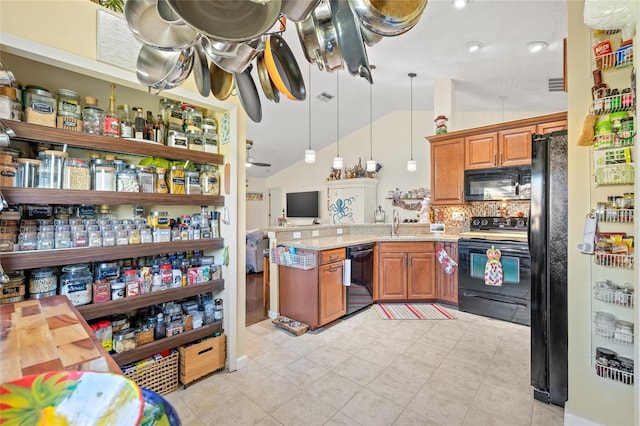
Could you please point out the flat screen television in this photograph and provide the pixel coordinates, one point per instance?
(303, 204)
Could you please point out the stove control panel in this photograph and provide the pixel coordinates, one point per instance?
(499, 223)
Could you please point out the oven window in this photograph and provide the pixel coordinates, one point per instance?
(510, 268)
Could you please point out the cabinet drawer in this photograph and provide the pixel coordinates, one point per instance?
(333, 255)
(419, 246)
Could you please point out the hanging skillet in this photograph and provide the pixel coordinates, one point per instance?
(248, 94)
(201, 70)
(268, 88)
(283, 68)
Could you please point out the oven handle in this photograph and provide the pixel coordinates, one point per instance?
(504, 246)
(360, 253)
(511, 302)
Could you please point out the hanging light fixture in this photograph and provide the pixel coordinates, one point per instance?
(309, 154)
(411, 164)
(337, 161)
(371, 164)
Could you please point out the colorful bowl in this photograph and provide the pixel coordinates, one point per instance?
(158, 411)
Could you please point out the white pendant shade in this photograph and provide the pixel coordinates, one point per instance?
(412, 166)
(371, 166)
(337, 163)
(309, 156)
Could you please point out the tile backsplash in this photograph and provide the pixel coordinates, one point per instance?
(483, 208)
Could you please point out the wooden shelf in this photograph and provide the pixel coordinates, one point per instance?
(98, 310)
(34, 133)
(166, 343)
(17, 260)
(68, 196)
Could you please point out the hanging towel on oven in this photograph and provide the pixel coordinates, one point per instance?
(493, 269)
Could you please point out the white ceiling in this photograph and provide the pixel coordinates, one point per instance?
(502, 76)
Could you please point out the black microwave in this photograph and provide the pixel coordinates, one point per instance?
(503, 183)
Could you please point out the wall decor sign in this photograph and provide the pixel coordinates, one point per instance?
(255, 196)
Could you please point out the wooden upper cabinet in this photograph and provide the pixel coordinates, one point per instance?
(481, 151)
(447, 172)
(550, 127)
(514, 146)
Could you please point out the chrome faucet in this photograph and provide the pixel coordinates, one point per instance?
(395, 224)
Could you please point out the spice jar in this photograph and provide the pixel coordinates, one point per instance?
(146, 178)
(27, 172)
(76, 283)
(76, 174)
(161, 181)
(43, 280)
(51, 170)
(177, 180)
(209, 180)
(127, 180)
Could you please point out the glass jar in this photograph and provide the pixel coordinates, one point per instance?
(124, 340)
(76, 283)
(160, 330)
(209, 180)
(161, 181)
(92, 120)
(76, 174)
(68, 103)
(192, 118)
(51, 170)
(104, 178)
(157, 219)
(146, 178)
(27, 172)
(117, 290)
(195, 140)
(46, 241)
(27, 241)
(43, 280)
(210, 135)
(217, 310)
(177, 180)
(174, 116)
(127, 180)
(192, 182)
(7, 175)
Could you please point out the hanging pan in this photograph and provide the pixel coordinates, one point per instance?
(201, 70)
(147, 26)
(221, 82)
(248, 94)
(283, 68)
(350, 40)
(268, 88)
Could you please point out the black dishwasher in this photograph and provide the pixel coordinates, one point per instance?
(359, 271)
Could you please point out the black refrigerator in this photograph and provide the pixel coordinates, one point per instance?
(548, 238)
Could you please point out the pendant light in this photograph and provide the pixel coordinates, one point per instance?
(309, 154)
(337, 161)
(371, 164)
(411, 164)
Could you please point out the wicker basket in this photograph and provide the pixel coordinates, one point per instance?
(160, 376)
(144, 337)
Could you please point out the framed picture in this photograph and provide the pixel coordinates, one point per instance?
(255, 196)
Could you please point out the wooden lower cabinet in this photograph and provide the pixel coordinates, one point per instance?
(314, 296)
(406, 271)
(447, 285)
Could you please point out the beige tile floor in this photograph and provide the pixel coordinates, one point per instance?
(368, 371)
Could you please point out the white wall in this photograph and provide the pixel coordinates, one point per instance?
(391, 148)
(257, 211)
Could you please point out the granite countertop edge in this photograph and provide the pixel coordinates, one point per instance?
(339, 241)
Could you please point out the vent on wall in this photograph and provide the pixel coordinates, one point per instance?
(324, 97)
(556, 84)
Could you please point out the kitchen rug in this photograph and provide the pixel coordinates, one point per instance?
(412, 311)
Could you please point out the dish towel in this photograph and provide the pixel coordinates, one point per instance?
(493, 268)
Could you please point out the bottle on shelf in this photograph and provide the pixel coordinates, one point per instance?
(149, 132)
(158, 130)
(111, 120)
(126, 127)
(139, 124)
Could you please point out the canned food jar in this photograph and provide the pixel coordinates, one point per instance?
(76, 174)
(192, 182)
(177, 180)
(76, 283)
(27, 172)
(146, 178)
(43, 280)
(68, 103)
(51, 170)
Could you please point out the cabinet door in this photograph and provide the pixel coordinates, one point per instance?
(333, 299)
(393, 277)
(448, 284)
(421, 276)
(515, 146)
(481, 151)
(553, 126)
(447, 172)
(298, 294)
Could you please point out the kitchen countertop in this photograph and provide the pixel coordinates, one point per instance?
(337, 241)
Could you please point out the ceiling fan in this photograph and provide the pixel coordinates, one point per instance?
(250, 160)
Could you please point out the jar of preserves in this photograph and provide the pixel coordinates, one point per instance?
(43, 280)
(76, 282)
(161, 181)
(209, 180)
(51, 170)
(177, 180)
(146, 178)
(192, 182)
(27, 172)
(127, 180)
(76, 174)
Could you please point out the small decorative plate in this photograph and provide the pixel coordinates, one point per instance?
(71, 398)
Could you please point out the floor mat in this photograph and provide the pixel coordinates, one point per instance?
(412, 311)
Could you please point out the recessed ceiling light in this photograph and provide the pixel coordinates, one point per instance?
(460, 4)
(536, 46)
(473, 46)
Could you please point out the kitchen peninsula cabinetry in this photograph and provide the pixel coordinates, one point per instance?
(497, 145)
(20, 260)
(406, 271)
(352, 201)
(314, 296)
(447, 285)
